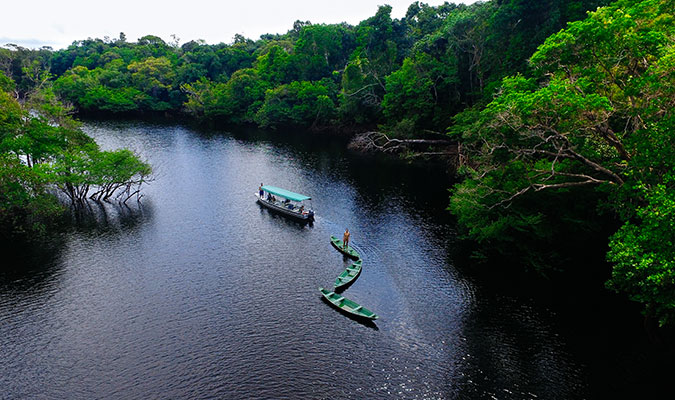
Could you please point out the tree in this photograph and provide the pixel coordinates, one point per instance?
(276, 66)
(25, 205)
(42, 149)
(409, 94)
(425, 20)
(361, 95)
(304, 104)
(322, 49)
(153, 76)
(459, 52)
(643, 253)
(598, 120)
(236, 101)
(74, 85)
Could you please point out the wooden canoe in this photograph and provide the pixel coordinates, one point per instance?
(349, 251)
(349, 275)
(347, 305)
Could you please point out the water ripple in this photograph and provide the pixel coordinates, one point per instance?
(200, 293)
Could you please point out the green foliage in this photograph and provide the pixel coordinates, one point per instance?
(6, 84)
(595, 120)
(409, 94)
(74, 85)
(456, 55)
(11, 116)
(405, 129)
(45, 103)
(86, 171)
(643, 251)
(25, 206)
(237, 101)
(154, 77)
(423, 19)
(114, 100)
(301, 104)
(245, 92)
(42, 149)
(276, 66)
(361, 93)
(322, 49)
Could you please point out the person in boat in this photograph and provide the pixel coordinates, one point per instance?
(261, 192)
(345, 239)
(302, 208)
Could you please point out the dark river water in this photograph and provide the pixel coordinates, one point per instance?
(201, 293)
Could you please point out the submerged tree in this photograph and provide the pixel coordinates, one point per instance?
(43, 150)
(87, 172)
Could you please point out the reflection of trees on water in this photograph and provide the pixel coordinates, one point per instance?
(377, 178)
(28, 264)
(99, 216)
(513, 349)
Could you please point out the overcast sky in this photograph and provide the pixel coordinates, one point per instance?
(36, 23)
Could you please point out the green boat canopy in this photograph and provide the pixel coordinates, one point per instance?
(287, 194)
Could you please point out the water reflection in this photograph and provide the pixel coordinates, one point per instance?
(200, 292)
(27, 266)
(513, 353)
(111, 216)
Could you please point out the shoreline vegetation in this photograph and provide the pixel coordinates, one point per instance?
(558, 117)
(49, 166)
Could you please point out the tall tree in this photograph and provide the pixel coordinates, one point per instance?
(595, 121)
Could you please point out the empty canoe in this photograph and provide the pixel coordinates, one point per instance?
(347, 305)
(349, 252)
(349, 275)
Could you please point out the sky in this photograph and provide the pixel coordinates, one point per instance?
(37, 23)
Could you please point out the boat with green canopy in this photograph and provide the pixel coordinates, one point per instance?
(348, 275)
(347, 305)
(348, 251)
(285, 202)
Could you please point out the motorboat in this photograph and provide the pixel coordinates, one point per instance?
(285, 202)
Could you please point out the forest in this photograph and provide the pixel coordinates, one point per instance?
(563, 111)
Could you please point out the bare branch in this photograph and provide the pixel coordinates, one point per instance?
(363, 88)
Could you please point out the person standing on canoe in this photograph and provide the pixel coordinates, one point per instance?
(261, 192)
(345, 239)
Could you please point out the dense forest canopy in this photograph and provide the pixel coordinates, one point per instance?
(563, 111)
(409, 74)
(591, 128)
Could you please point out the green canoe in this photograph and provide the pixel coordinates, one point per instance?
(349, 275)
(347, 305)
(349, 252)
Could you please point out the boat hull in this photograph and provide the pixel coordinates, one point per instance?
(348, 306)
(348, 276)
(349, 251)
(305, 217)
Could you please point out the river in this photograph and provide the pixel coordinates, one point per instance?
(198, 292)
